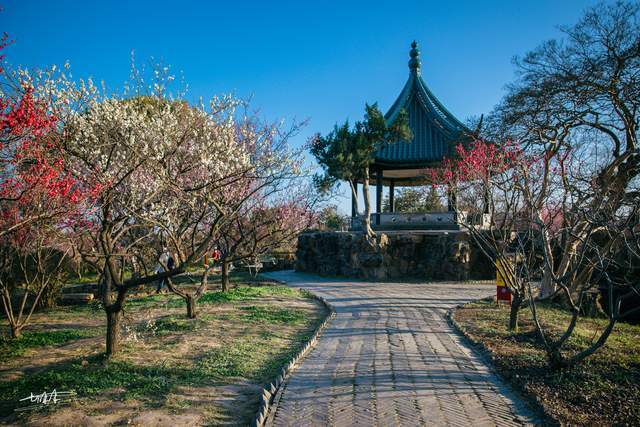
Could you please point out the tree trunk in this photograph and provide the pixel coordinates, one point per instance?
(569, 252)
(225, 275)
(16, 331)
(366, 220)
(547, 287)
(191, 307)
(556, 359)
(513, 313)
(354, 198)
(114, 318)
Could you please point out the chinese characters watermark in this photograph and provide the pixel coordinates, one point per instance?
(45, 399)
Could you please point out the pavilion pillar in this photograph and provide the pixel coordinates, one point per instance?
(392, 198)
(378, 194)
(354, 201)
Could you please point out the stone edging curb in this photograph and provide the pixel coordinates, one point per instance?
(272, 393)
(532, 401)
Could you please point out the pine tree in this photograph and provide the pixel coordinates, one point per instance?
(347, 152)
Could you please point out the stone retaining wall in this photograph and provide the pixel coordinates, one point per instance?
(435, 256)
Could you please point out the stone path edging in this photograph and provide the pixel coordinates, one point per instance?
(534, 402)
(272, 393)
(391, 358)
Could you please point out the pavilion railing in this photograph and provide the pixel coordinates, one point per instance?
(447, 220)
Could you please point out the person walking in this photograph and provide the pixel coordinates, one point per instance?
(165, 259)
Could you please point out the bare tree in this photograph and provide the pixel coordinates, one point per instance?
(498, 182)
(573, 114)
(580, 98)
(27, 271)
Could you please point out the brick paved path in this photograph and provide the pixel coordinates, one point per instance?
(390, 358)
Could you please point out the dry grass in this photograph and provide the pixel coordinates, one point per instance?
(603, 390)
(172, 370)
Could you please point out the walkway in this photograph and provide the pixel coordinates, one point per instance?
(390, 358)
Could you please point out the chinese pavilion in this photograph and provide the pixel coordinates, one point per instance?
(435, 130)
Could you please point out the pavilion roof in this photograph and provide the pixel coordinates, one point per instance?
(435, 130)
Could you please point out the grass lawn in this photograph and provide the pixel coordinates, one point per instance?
(603, 390)
(236, 276)
(172, 370)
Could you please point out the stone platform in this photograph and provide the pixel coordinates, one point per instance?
(419, 254)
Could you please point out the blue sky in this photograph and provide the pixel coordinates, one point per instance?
(320, 60)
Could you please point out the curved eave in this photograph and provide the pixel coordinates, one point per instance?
(428, 119)
(440, 109)
(401, 100)
(428, 101)
(402, 174)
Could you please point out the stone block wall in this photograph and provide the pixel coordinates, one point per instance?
(438, 256)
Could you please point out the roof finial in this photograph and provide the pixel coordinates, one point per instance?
(414, 62)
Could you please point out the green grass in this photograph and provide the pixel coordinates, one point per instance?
(271, 366)
(229, 361)
(491, 322)
(238, 276)
(256, 360)
(10, 348)
(142, 382)
(172, 324)
(270, 314)
(238, 294)
(602, 390)
(155, 300)
(256, 357)
(85, 279)
(247, 294)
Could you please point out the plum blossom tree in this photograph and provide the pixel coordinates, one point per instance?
(279, 203)
(245, 203)
(535, 211)
(576, 104)
(582, 94)
(264, 226)
(32, 263)
(152, 157)
(39, 199)
(492, 174)
(29, 162)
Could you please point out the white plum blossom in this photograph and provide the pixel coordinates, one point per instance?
(146, 146)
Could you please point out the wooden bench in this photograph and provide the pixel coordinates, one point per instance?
(77, 298)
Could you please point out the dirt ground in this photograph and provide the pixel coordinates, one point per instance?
(172, 370)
